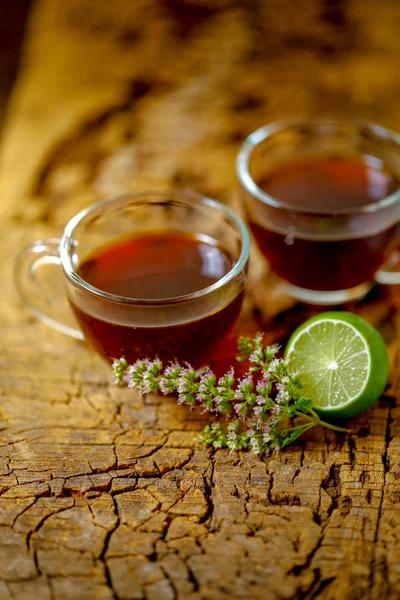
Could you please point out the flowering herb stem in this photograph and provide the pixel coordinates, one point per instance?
(266, 410)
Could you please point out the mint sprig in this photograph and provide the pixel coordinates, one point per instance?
(265, 409)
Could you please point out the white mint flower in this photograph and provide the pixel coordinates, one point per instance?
(273, 365)
(255, 445)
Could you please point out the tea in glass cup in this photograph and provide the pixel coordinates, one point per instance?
(151, 274)
(323, 202)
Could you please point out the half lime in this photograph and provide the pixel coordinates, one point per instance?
(342, 362)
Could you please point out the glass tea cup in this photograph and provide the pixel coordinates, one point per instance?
(325, 253)
(186, 327)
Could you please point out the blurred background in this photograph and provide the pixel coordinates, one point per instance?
(125, 95)
(13, 16)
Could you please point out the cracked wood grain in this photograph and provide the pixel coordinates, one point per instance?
(104, 494)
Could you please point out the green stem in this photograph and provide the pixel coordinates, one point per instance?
(315, 418)
(299, 413)
(314, 414)
(333, 427)
(309, 426)
(305, 427)
(328, 425)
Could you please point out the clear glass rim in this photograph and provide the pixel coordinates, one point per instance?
(258, 136)
(182, 197)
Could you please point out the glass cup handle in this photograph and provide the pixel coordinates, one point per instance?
(34, 294)
(388, 274)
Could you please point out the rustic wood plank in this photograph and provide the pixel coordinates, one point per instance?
(104, 494)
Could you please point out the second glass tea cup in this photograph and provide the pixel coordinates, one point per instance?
(324, 255)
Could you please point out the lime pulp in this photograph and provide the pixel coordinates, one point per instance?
(342, 363)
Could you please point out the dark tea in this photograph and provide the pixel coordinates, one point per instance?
(159, 266)
(326, 182)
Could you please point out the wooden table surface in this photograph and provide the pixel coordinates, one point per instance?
(104, 494)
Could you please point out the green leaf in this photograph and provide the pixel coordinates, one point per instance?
(269, 403)
(292, 437)
(304, 404)
(225, 407)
